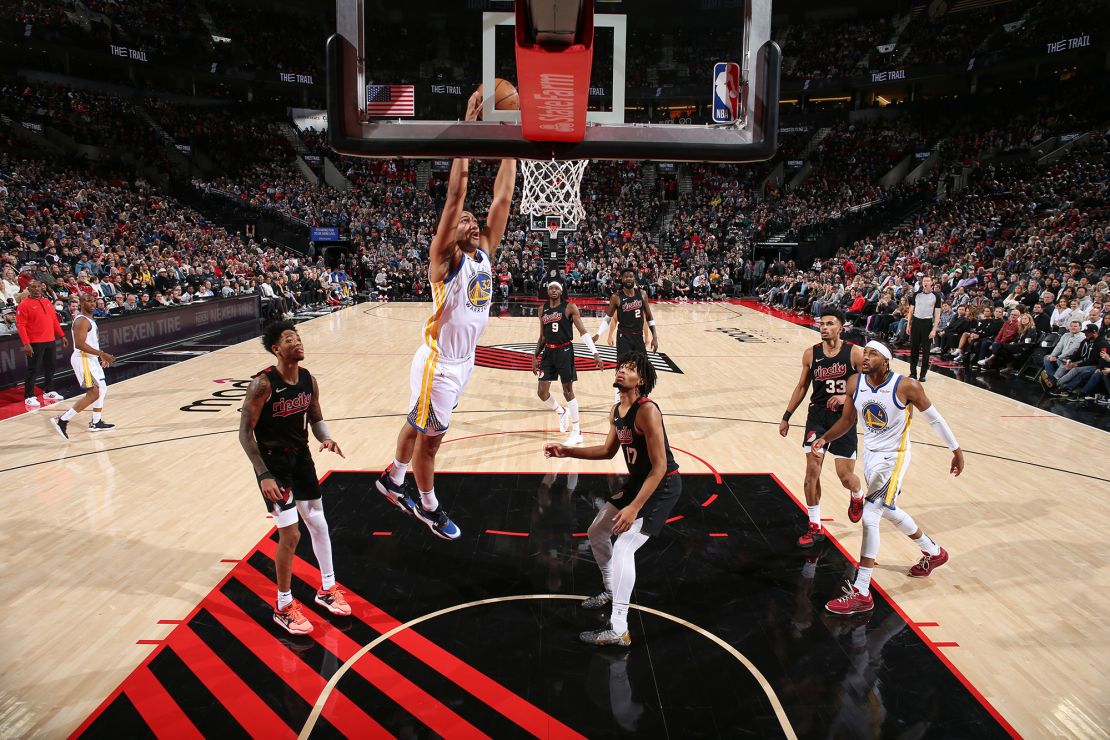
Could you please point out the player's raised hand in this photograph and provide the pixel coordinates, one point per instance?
(474, 106)
(553, 449)
(329, 444)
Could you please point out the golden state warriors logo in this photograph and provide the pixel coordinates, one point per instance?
(479, 291)
(874, 417)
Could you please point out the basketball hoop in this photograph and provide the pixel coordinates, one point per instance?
(553, 188)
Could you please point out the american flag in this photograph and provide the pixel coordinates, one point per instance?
(390, 100)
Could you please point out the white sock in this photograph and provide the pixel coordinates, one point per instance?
(857, 495)
(927, 545)
(863, 580)
(428, 500)
(285, 598)
(327, 580)
(552, 404)
(572, 407)
(815, 514)
(397, 472)
(96, 416)
(69, 415)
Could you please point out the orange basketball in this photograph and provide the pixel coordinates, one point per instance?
(505, 96)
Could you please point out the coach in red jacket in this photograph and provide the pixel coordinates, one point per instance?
(38, 327)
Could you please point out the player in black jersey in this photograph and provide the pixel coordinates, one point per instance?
(640, 508)
(630, 306)
(827, 366)
(282, 402)
(554, 358)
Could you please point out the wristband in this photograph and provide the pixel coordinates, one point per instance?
(786, 415)
(320, 430)
(651, 323)
(263, 476)
(589, 342)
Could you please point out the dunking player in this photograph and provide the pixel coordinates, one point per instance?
(828, 366)
(459, 260)
(885, 401)
(282, 402)
(640, 508)
(630, 306)
(556, 349)
(88, 362)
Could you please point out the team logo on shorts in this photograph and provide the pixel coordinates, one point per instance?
(479, 290)
(874, 417)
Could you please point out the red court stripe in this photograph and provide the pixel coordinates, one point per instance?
(228, 560)
(507, 534)
(171, 621)
(828, 520)
(709, 500)
(419, 703)
(926, 624)
(531, 718)
(718, 534)
(339, 710)
(946, 644)
(675, 518)
(917, 630)
(579, 534)
(157, 708)
(230, 690)
(149, 642)
(381, 534)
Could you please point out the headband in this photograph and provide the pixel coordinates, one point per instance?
(880, 348)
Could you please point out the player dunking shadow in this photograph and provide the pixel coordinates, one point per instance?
(461, 281)
(556, 349)
(282, 402)
(630, 306)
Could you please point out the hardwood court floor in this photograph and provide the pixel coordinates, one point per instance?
(111, 538)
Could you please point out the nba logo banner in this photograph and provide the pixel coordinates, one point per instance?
(726, 92)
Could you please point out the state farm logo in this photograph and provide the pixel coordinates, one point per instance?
(519, 357)
(229, 395)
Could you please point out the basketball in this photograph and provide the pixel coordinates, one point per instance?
(505, 96)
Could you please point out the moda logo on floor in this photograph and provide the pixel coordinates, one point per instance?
(227, 396)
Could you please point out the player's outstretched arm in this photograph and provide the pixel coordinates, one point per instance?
(610, 312)
(605, 451)
(441, 253)
(319, 426)
(576, 316)
(799, 392)
(503, 188)
(257, 394)
(846, 421)
(914, 393)
(650, 319)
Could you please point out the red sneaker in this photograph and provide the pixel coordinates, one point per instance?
(292, 619)
(925, 566)
(814, 534)
(852, 602)
(855, 510)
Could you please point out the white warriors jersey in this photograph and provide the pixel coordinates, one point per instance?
(461, 308)
(886, 422)
(92, 338)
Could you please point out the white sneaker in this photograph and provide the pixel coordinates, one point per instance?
(564, 421)
(983, 362)
(935, 351)
(32, 402)
(573, 440)
(53, 396)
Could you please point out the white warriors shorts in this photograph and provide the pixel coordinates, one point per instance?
(883, 473)
(87, 369)
(436, 385)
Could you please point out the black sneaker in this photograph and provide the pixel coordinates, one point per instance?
(394, 493)
(60, 425)
(100, 426)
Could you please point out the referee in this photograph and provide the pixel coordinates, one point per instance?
(926, 319)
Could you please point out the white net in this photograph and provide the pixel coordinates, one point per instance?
(553, 188)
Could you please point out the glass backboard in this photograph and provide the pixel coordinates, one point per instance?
(400, 74)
